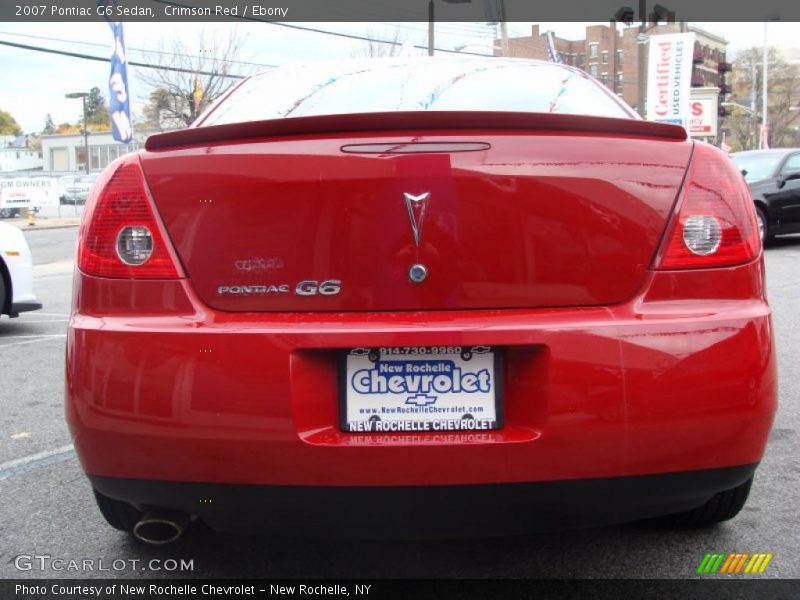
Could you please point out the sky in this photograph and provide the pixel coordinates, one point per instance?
(34, 83)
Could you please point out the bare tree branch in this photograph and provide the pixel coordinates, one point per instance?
(373, 49)
(783, 93)
(171, 102)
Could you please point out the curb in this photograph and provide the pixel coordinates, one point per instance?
(40, 228)
(52, 223)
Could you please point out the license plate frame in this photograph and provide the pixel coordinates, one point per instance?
(485, 355)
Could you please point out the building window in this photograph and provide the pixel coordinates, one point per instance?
(605, 57)
(80, 158)
(580, 59)
(619, 59)
(593, 70)
(100, 156)
(593, 50)
(604, 78)
(94, 157)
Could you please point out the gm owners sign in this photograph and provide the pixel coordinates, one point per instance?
(428, 389)
(669, 77)
(22, 192)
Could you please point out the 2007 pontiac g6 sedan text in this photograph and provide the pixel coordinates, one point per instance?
(422, 298)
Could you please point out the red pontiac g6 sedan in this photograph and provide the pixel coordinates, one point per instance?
(439, 297)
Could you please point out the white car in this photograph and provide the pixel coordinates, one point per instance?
(16, 273)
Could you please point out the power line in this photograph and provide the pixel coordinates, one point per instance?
(466, 33)
(132, 63)
(351, 36)
(143, 50)
(359, 37)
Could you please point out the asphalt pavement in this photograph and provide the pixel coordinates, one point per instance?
(46, 505)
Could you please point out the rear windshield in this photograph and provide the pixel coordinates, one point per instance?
(491, 84)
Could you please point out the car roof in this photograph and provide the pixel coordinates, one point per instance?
(771, 151)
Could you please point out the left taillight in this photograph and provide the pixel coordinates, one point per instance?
(714, 224)
(120, 236)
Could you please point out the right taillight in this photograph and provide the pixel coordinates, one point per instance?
(714, 224)
(120, 236)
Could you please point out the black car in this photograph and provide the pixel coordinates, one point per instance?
(774, 180)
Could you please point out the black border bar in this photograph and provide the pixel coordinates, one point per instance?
(510, 589)
(287, 11)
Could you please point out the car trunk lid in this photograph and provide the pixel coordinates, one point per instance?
(499, 218)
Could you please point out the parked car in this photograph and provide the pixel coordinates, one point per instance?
(774, 180)
(9, 213)
(445, 297)
(75, 189)
(16, 273)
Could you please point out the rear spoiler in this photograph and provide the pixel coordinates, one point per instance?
(415, 120)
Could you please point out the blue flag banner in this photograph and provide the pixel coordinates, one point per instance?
(119, 98)
(552, 53)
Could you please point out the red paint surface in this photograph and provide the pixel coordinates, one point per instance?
(649, 372)
(534, 221)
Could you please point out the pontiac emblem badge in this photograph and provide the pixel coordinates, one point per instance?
(416, 212)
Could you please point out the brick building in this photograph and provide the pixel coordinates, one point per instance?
(610, 53)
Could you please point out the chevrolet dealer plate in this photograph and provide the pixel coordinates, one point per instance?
(427, 389)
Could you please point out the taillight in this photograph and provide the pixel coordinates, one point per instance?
(714, 224)
(120, 235)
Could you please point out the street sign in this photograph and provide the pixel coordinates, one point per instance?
(703, 112)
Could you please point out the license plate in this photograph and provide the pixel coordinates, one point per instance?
(427, 389)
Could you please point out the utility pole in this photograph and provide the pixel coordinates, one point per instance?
(82, 96)
(432, 20)
(642, 65)
(753, 111)
(430, 27)
(503, 29)
(613, 61)
(85, 135)
(764, 122)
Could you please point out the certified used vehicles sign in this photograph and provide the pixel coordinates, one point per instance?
(420, 389)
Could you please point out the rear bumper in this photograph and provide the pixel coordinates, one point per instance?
(167, 390)
(438, 511)
(19, 307)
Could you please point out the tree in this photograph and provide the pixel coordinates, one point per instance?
(160, 110)
(374, 49)
(49, 126)
(97, 110)
(9, 125)
(68, 128)
(783, 93)
(180, 96)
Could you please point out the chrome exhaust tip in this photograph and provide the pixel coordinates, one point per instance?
(159, 527)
